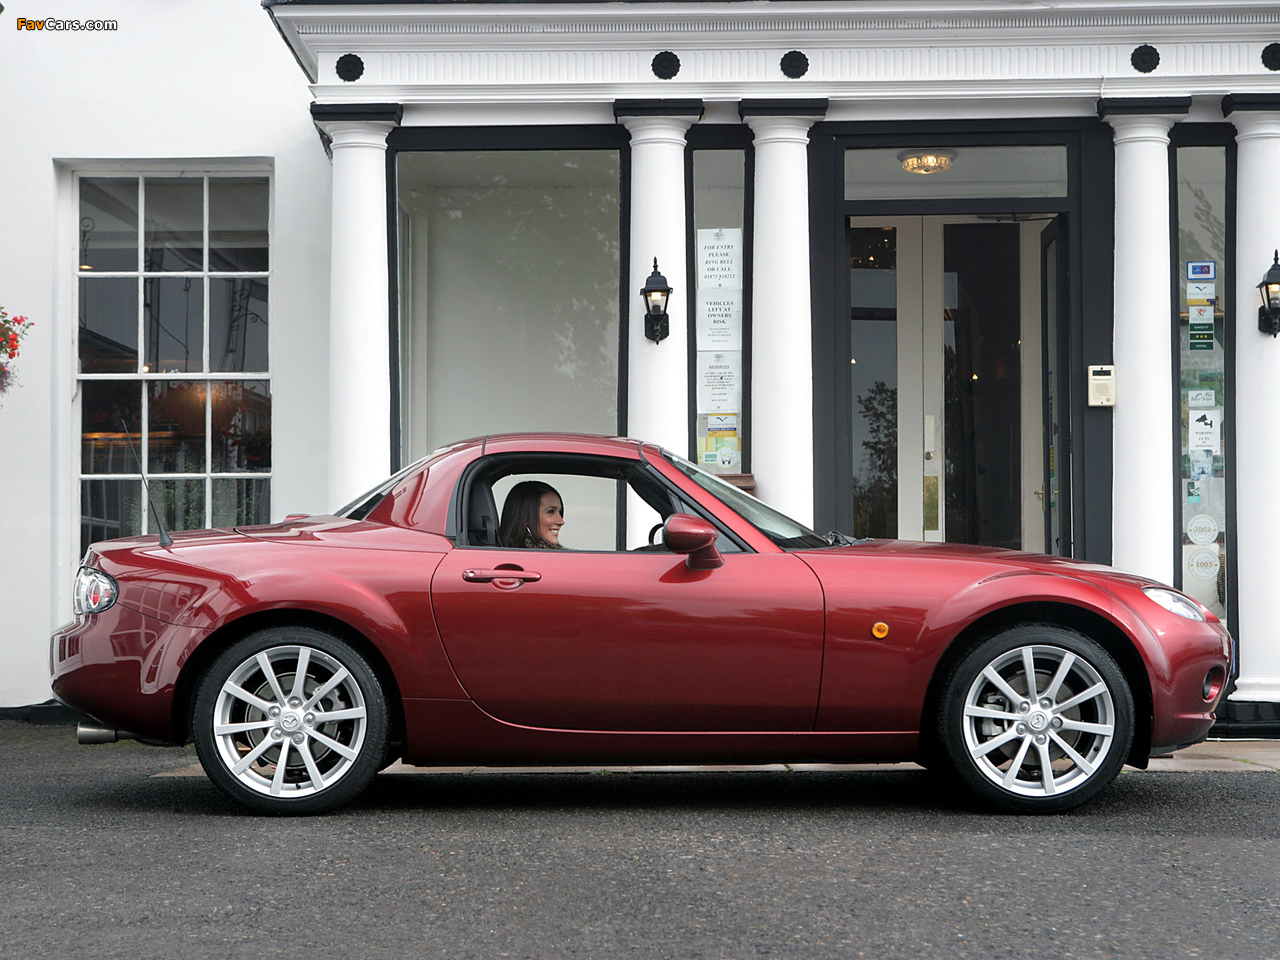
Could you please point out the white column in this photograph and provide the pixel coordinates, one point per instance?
(781, 322)
(658, 373)
(1258, 408)
(1142, 485)
(359, 339)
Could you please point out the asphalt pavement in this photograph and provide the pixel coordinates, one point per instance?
(120, 851)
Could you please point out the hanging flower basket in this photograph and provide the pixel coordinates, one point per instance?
(12, 330)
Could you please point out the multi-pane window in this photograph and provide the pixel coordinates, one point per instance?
(173, 275)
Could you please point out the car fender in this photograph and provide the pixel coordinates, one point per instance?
(922, 610)
(398, 622)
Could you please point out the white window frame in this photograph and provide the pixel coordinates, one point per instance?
(67, 376)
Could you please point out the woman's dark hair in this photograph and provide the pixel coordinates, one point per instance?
(520, 520)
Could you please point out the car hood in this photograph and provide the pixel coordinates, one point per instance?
(999, 560)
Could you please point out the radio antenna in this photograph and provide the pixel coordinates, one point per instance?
(165, 539)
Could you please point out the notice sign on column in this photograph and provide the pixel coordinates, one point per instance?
(719, 319)
(719, 382)
(1204, 431)
(720, 258)
(1200, 326)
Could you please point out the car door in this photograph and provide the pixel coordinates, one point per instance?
(631, 641)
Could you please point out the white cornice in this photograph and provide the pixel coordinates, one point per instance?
(895, 49)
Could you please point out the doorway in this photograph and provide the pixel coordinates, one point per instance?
(949, 403)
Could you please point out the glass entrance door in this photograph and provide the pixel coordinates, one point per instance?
(945, 415)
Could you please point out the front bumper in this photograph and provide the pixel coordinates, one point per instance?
(1182, 714)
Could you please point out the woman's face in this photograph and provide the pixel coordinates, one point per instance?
(550, 517)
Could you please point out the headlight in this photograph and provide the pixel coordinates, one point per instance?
(94, 591)
(1175, 602)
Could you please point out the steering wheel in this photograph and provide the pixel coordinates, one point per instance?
(654, 532)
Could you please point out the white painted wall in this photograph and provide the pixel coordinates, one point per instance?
(202, 79)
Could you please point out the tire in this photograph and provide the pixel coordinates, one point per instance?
(1041, 754)
(296, 692)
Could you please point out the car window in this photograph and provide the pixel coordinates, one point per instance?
(608, 505)
(590, 507)
(363, 505)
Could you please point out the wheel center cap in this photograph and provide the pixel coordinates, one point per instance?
(1038, 721)
(290, 721)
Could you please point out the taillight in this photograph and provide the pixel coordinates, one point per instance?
(94, 591)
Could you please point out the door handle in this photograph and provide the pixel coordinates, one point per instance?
(516, 576)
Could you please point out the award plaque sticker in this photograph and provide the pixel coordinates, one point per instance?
(1204, 564)
(1202, 529)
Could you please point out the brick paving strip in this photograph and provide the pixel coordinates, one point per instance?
(1220, 756)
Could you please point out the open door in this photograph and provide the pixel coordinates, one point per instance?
(944, 412)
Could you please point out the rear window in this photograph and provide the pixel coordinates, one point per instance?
(363, 505)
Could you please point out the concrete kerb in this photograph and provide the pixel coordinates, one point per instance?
(1219, 756)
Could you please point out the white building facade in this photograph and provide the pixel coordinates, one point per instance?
(939, 270)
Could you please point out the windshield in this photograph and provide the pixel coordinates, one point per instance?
(781, 529)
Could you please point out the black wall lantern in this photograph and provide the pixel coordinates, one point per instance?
(655, 293)
(1269, 312)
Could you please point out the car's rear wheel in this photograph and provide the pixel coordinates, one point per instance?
(1036, 719)
(290, 720)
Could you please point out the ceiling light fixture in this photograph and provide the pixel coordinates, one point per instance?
(926, 161)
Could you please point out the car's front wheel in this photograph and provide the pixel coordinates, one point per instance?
(290, 720)
(1036, 719)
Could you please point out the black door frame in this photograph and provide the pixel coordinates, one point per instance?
(1089, 209)
(1057, 232)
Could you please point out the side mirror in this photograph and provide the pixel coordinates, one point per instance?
(693, 536)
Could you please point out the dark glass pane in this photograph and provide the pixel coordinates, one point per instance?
(180, 502)
(109, 509)
(173, 324)
(1055, 403)
(883, 173)
(108, 223)
(238, 223)
(544, 225)
(982, 369)
(176, 431)
(108, 325)
(1205, 526)
(719, 178)
(873, 380)
(241, 502)
(238, 325)
(241, 426)
(175, 224)
(104, 445)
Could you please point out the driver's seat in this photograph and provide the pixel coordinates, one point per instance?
(482, 517)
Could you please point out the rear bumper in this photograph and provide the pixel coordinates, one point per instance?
(121, 668)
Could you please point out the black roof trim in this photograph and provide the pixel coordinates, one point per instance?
(356, 3)
(1137, 106)
(1249, 101)
(392, 112)
(783, 108)
(658, 108)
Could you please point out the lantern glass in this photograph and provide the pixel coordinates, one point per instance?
(657, 300)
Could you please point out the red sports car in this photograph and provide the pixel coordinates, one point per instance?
(622, 606)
